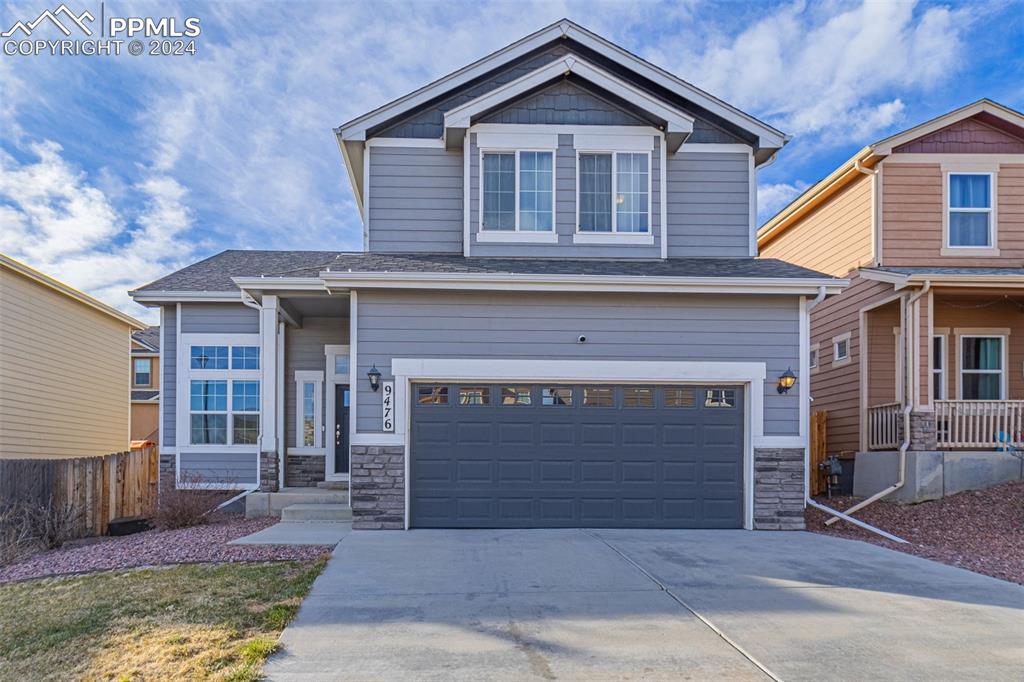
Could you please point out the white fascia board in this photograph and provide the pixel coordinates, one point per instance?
(279, 283)
(969, 281)
(767, 135)
(352, 154)
(157, 297)
(523, 282)
(568, 370)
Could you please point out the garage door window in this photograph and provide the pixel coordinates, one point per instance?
(594, 396)
(554, 396)
(474, 395)
(720, 397)
(432, 395)
(638, 397)
(516, 395)
(681, 396)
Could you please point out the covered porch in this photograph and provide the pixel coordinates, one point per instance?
(966, 358)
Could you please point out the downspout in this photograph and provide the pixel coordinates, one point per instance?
(908, 397)
(249, 301)
(836, 514)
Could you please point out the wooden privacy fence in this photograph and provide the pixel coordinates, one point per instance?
(98, 489)
(819, 439)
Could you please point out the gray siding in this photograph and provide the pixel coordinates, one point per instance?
(219, 318)
(415, 200)
(304, 350)
(529, 326)
(220, 467)
(708, 205)
(168, 377)
(565, 213)
(564, 103)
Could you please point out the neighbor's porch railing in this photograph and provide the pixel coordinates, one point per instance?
(884, 426)
(977, 423)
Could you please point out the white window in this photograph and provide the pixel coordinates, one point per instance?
(517, 191)
(969, 216)
(982, 365)
(309, 409)
(143, 372)
(813, 356)
(939, 367)
(841, 349)
(220, 380)
(614, 192)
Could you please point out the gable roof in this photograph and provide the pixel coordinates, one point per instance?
(68, 291)
(149, 338)
(351, 136)
(992, 113)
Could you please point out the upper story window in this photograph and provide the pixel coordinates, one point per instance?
(614, 192)
(216, 357)
(143, 372)
(970, 210)
(518, 191)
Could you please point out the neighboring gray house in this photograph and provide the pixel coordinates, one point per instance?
(559, 292)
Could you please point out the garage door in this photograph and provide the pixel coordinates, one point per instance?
(556, 456)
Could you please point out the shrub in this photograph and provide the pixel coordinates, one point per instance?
(26, 528)
(15, 534)
(186, 505)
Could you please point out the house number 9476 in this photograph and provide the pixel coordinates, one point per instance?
(388, 396)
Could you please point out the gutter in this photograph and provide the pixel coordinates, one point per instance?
(908, 397)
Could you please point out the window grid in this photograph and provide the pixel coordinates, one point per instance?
(969, 210)
(622, 179)
(245, 357)
(517, 191)
(143, 372)
(499, 191)
(208, 357)
(981, 367)
(631, 198)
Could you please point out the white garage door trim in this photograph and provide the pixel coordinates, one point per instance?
(750, 374)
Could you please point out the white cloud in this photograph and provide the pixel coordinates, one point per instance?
(773, 197)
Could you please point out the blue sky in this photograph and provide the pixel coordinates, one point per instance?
(116, 170)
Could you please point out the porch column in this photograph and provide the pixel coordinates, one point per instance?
(268, 441)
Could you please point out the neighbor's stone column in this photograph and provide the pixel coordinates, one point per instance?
(377, 487)
(268, 472)
(922, 431)
(779, 489)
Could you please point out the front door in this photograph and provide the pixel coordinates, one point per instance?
(341, 397)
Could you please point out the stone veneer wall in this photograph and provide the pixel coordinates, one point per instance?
(922, 431)
(378, 487)
(268, 472)
(779, 489)
(304, 471)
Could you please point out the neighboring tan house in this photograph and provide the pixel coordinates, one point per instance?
(929, 226)
(145, 359)
(557, 319)
(64, 382)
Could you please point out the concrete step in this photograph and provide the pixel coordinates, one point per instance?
(332, 485)
(271, 504)
(316, 512)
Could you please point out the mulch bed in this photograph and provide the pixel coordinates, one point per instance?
(981, 531)
(199, 544)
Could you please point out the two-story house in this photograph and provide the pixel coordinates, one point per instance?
(921, 356)
(557, 319)
(145, 359)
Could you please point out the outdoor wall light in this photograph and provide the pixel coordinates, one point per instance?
(374, 376)
(786, 381)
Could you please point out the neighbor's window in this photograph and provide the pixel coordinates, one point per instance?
(518, 191)
(620, 179)
(841, 348)
(812, 357)
(143, 371)
(939, 367)
(981, 367)
(970, 210)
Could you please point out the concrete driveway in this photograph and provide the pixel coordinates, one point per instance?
(577, 604)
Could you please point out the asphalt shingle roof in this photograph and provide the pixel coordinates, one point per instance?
(144, 395)
(215, 273)
(149, 336)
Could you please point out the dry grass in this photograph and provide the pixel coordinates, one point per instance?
(211, 622)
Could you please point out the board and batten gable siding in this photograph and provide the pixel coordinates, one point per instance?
(430, 324)
(304, 350)
(912, 213)
(708, 204)
(64, 375)
(169, 396)
(565, 212)
(415, 200)
(835, 237)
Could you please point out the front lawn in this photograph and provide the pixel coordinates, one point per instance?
(980, 530)
(215, 622)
